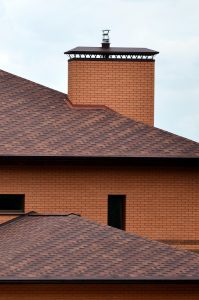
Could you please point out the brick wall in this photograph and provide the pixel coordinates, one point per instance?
(161, 202)
(99, 292)
(124, 86)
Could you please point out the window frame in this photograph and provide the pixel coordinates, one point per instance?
(123, 200)
(14, 211)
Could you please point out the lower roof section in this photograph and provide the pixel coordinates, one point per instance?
(68, 248)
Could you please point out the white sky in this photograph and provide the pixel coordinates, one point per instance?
(35, 33)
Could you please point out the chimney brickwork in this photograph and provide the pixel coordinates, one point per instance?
(117, 77)
(124, 86)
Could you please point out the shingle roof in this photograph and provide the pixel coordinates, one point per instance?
(39, 121)
(35, 247)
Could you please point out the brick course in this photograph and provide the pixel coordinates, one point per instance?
(162, 202)
(99, 292)
(124, 86)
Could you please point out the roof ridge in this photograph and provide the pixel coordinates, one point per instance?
(175, 134)
(36, 214)
(18, 218)
(138, 236)
(156, 128)
(34, 82)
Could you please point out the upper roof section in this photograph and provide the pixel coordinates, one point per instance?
(39, 121)
(38, 247)
(111, 53)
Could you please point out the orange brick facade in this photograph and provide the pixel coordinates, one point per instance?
(124, 86)
(99, 292)
(161, 202)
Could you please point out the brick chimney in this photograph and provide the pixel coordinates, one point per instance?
(120, 78)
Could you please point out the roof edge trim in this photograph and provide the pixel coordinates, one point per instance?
(100, 281)
(16, 219)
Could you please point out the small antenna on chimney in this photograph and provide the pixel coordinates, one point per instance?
(105, 38)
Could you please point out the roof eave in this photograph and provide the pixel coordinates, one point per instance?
(25, 159)
(101, 281)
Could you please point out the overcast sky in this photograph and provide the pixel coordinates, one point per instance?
(35, 33)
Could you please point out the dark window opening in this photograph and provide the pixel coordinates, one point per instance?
(11, 203)
(116, 211)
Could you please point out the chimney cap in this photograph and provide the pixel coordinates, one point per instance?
(112, 51)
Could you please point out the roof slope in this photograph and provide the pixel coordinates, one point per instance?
(73, 248)
(36, 120)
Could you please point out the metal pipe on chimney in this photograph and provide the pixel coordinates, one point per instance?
(105, 38)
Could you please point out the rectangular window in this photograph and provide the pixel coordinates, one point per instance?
(11, 203)
(116, 211)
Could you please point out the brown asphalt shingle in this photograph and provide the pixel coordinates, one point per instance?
(36, 120)
(73, 248)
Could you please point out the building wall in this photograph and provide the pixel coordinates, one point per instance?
(124, 86)
(161, 202)
(99, 292)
